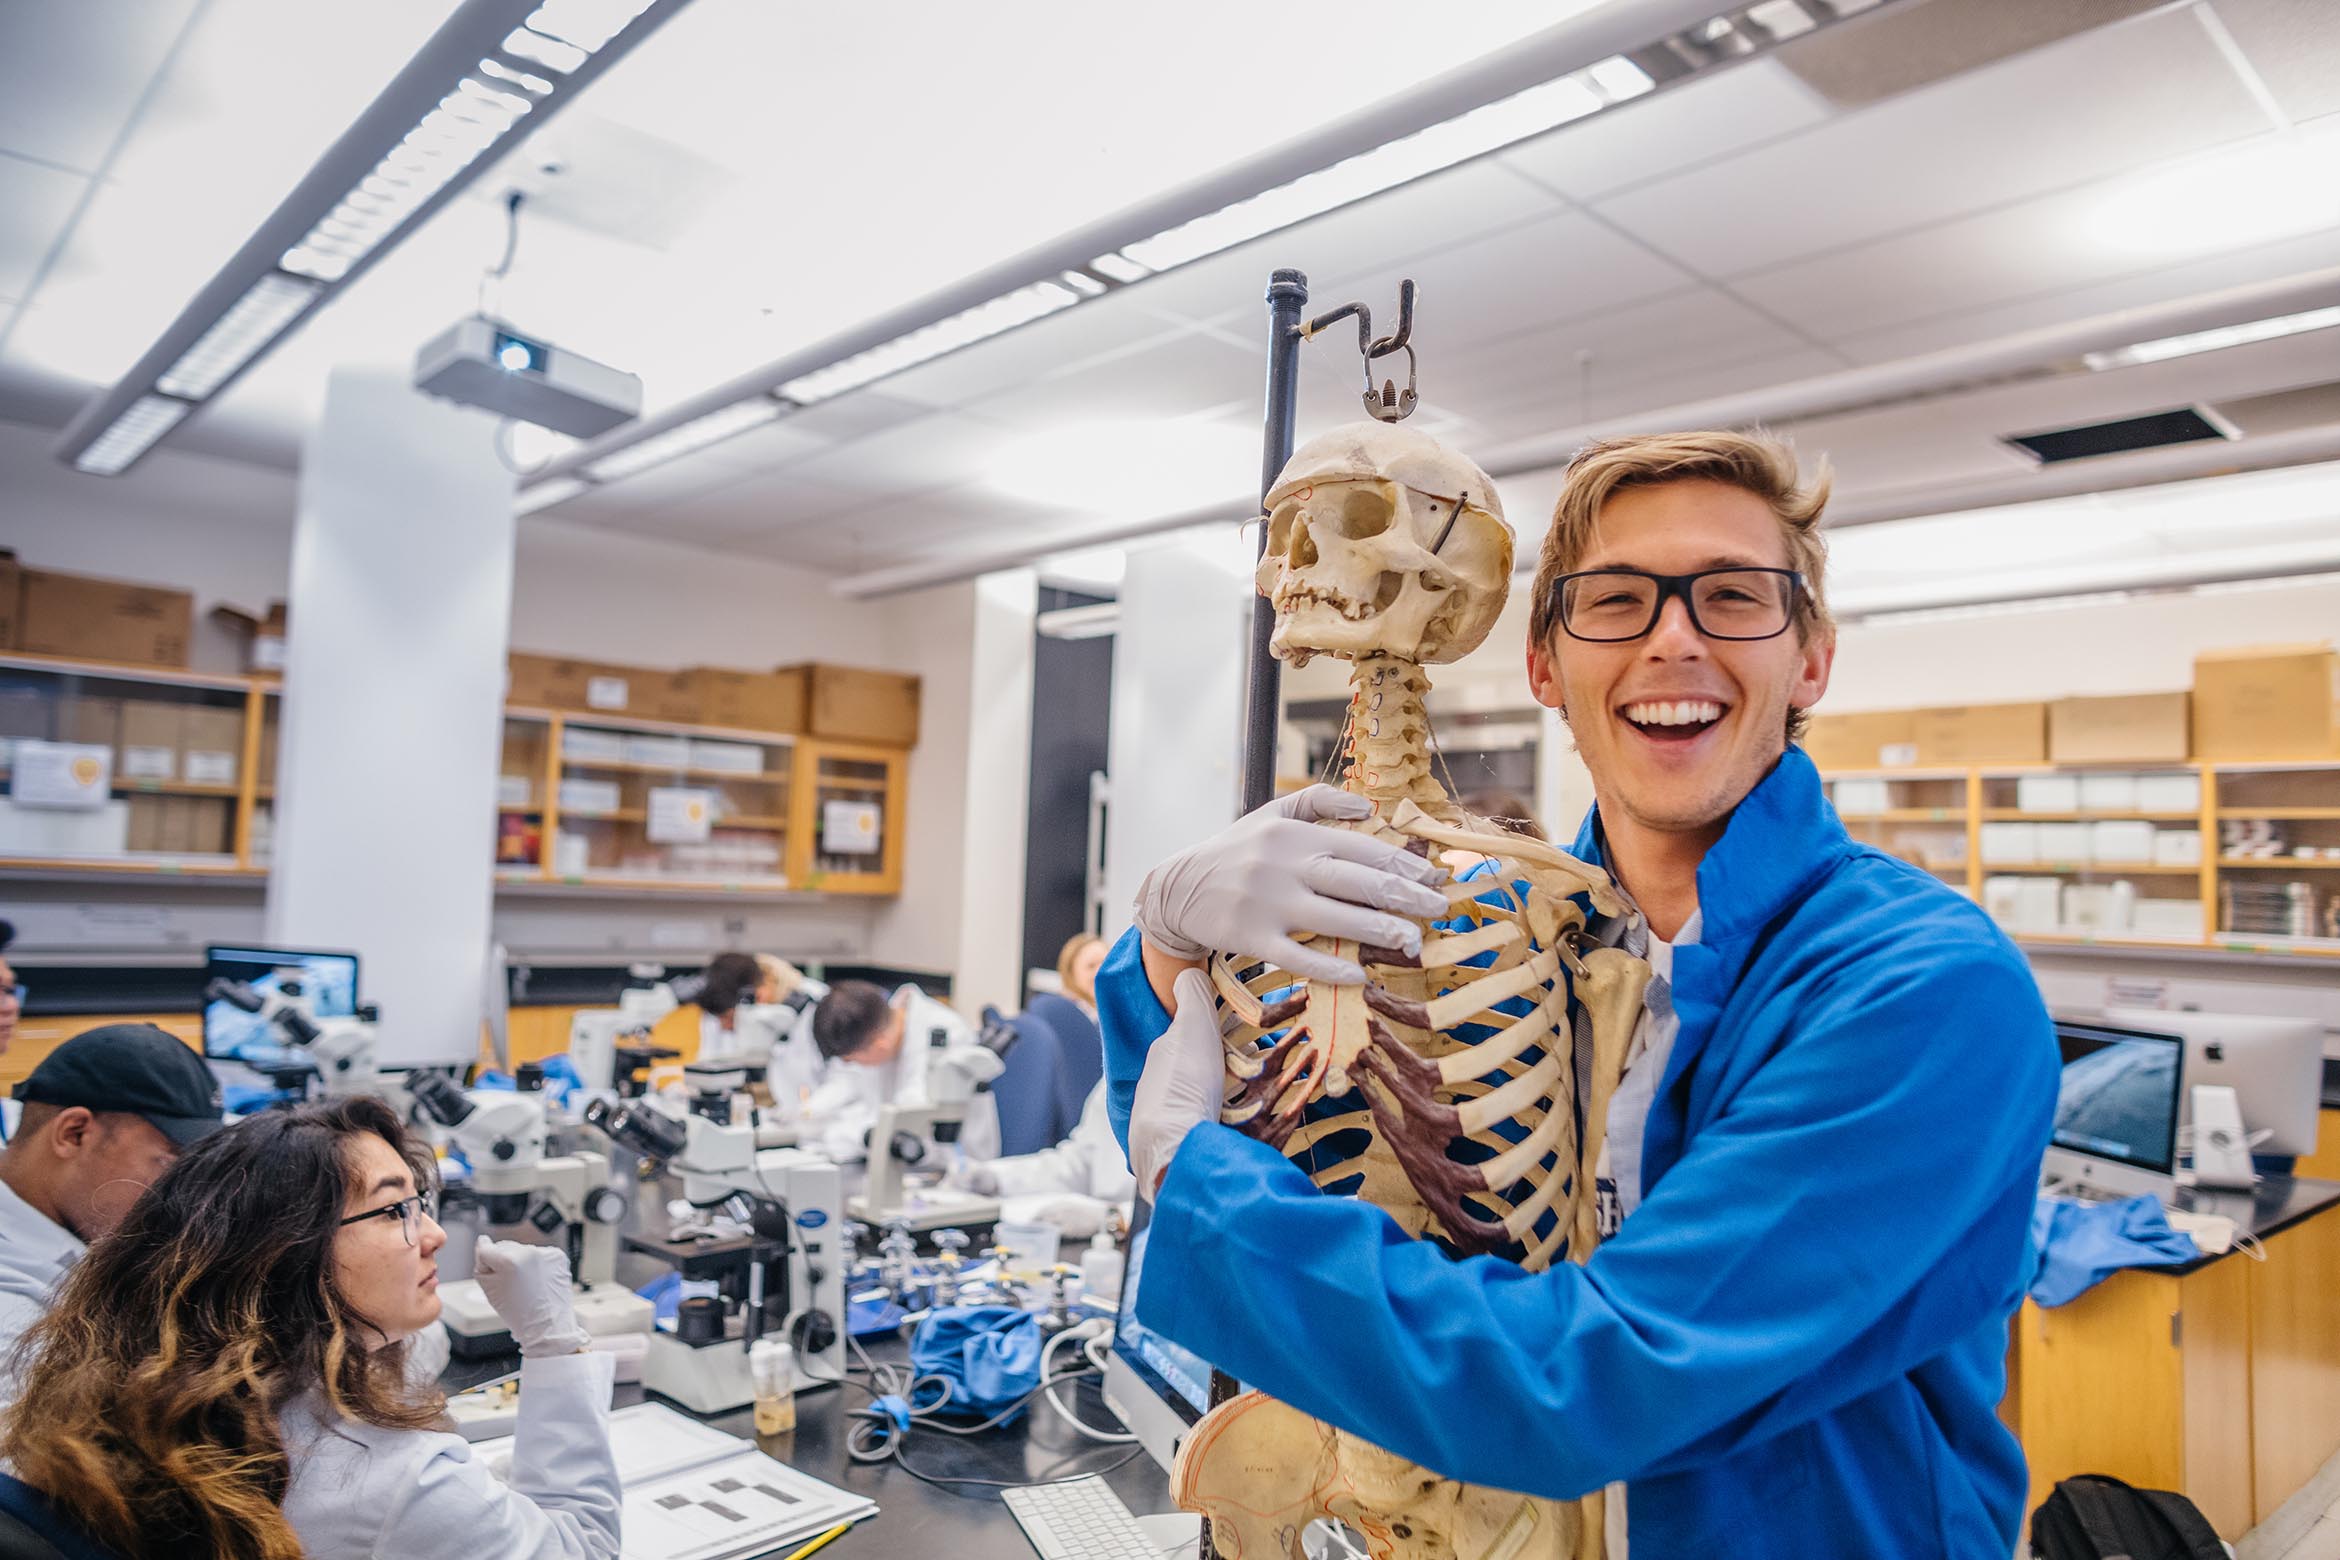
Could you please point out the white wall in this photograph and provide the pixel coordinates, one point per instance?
(996, 809)
(933, 630)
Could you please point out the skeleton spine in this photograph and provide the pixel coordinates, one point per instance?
(1389, 737)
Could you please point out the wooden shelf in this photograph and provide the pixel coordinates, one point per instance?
(151, 866)
(597, 721)
(124, 671)
(1908, 815)
(2108, 868)
(2018, 815)
(171, 788)
(622, 767)
(2309, 814)
(2278, 863)
(2089, 940)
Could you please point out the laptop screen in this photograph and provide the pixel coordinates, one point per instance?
(1177, 1376)
(2118, 1098)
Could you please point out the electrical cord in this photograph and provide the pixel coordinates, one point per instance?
(1088, 1335)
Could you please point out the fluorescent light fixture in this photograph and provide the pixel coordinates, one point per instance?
(2265, 189)
(2212, 340)
(919, 346)
(494, 70)
(546, 494)
(1158, 468)
(255, 320)
(131, 435)
(722, 423)
(1425, 132)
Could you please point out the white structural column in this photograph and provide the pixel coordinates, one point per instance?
(1175, 754)
(400, 602)
(1564, 792)
(999, 773)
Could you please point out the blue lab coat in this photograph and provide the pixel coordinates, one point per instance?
(1796, 1345)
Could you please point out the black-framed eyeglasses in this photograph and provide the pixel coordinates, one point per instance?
(1606, 606)
(408, 1211)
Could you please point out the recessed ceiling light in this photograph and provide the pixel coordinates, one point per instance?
(1133, 468)
(2265, 189)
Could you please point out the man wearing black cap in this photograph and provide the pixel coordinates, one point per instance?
(104, 1114)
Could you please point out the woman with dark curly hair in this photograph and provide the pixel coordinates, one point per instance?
(225, 1374)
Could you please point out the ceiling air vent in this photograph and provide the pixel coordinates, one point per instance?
(2185, 425)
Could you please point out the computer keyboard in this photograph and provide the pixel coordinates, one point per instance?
(1078, 1519)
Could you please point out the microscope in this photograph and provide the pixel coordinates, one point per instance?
(772, 1256)
(501, 1133)
(595, 1033)
(340, 1049)
(914, 1139)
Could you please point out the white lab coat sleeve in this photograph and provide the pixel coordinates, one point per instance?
(427, 1354)
(564, 1498)
(1088, 1163)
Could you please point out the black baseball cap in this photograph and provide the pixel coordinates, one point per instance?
(133, 1068)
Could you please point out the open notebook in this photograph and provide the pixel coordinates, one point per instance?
(693, 1492)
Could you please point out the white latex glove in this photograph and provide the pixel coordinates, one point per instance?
(1274, 873)
(973, 1175)
(1181, 1084)
(529, 1287)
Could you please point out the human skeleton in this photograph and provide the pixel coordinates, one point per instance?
(1389, 550)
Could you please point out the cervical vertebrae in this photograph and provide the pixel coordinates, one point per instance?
(1444, 1090)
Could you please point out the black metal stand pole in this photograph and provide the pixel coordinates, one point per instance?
(1287, 300)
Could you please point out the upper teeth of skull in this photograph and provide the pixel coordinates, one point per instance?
(1678, 712)
(1294, 593)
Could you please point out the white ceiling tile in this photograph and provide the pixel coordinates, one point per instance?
(1172, 376)
(934, 451)
(1230, 289)
(775, 444)
(856, 415)
(1561, 267)
(1666, 131)
(2092, 105)
(2265, 263)
(1099, 327)
(2294, 46)
(38, 201)
(2047, 245)
(70, 74)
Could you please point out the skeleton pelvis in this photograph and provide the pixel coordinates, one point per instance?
(1262, 1471)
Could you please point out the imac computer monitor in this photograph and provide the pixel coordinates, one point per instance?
(1159, 1389)
(329, 980)
(2116, 1110)
(2274, 1065)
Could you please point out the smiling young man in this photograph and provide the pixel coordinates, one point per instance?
(1820, 1165)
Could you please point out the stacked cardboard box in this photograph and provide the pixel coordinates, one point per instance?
(92, 619)
(856, 704)
(2267, 702)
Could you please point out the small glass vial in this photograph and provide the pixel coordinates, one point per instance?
(772, 1371)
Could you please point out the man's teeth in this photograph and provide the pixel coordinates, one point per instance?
(1678, 712)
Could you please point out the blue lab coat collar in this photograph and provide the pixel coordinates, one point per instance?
(1779, 842)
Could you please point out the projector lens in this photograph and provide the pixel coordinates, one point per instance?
(518, 356)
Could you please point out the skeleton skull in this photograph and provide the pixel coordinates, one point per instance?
(1382, 540)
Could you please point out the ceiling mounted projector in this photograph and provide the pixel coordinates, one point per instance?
(483, 363)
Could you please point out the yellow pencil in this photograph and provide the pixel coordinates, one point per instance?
(818, 1542)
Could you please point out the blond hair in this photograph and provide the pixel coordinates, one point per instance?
(1064, 965)
(1752, 462)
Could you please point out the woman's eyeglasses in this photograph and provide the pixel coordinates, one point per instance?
(408, 1211)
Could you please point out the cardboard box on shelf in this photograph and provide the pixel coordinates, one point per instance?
(2267, 701)
(2177, 919)
(749, 701)
(2177, 847)
(211, 823)
(671, 696)
(855, 704)
(2108, 793)
(2121, 840)
(211, 744)
(2063, 842)
(2047, 793)
(2010, 844)
(663, 752)
(175, 825)
(514, 790)
(588, 745)
(2125, 728)
(2169, 793)
(1871, 739)
(152, 732)
(94, 721)
(589, 796)
(262, 634)
(91, 619)
(146, 823)
(1863, 796)
(558, 683)
(737, 758)
(52, 832)
(1963, 734)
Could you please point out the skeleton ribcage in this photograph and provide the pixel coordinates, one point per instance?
(1445, 1090)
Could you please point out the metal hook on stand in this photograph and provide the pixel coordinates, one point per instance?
(1389, 403)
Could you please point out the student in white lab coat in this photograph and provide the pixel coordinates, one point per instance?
(757, 1008)
(880, 1051)
(225, 1374)
(1072, 1186)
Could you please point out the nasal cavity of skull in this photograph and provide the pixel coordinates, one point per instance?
(1289, 540)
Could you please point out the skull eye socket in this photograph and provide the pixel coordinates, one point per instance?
(1363, 510)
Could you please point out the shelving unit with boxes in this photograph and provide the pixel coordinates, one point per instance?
(2169, 821)
(180, 771)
